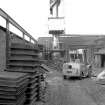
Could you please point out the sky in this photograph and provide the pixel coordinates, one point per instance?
(81, 16)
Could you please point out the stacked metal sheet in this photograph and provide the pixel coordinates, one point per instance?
(42, 88)
(25, 58)
(34, 87)
(41, 84)
(31, 92)
(12, 88)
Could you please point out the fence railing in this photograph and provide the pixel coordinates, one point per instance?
(9, 20)
(16, 25)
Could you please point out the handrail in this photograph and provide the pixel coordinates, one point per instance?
(15, 24)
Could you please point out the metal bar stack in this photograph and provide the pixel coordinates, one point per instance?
(31, 92)
(12, 88)
(42, 85)
(24, 58)
(42, 88)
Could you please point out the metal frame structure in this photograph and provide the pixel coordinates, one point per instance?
(81, 35)
(15, 24)
(9, 20)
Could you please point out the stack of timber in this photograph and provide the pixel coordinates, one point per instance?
(25, 58)
(12, 88)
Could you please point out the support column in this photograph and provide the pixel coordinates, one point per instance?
(56, 54)
(23, 36)
(67, 55)
(55, 42)
(30, 39)
(57, 11)
(7, 41)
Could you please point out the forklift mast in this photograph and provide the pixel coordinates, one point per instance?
(78, 55)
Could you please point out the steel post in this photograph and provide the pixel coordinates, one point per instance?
(7, 42)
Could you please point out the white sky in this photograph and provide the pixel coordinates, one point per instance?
(82, 16)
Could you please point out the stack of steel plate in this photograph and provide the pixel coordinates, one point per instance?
(25, 58)
(12, 88)
(42, 88)
(41, 84)
(31, 92)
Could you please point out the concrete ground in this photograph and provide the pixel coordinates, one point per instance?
(73, 91)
